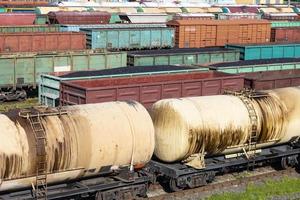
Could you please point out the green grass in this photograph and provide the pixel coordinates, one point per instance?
(4, 107)
(271, 188)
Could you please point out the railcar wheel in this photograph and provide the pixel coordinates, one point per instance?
(284, 163)
(173, 185)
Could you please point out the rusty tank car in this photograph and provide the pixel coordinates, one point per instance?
(211, 134)
(82, 141)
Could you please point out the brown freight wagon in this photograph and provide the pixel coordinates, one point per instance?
(206, 33)
(285, 34)
(66, 17)
(42, 42)
(148, 89)
(272, 79)
(13, 19)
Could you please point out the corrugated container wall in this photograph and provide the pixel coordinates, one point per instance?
(29, 28)
(147, 90)
(13, 19)
(287, 34)
(20, 70)
(42, 42)
(49, 86)
(205, 33)
(182, 56)
(134, 38)
(95, 17)
(267, 50)
(272, 79)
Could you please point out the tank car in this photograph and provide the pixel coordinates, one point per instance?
(197, 138)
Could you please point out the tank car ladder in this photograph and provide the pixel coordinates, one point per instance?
(246, 96)
(34, 118)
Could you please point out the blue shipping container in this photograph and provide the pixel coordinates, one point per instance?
(135, 38)
(267, 51)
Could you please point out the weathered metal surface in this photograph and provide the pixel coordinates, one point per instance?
(246, 66)
(24, 70)
(75, 146)
(181, 56)
(49, 85)
(14, 19)
(205, 33)
(148, 89)
(67, 17)
(133, 38)
(267, 50)
(31, 28)
(219, 124)
(272, 79)
(287, 34)
(41, 42)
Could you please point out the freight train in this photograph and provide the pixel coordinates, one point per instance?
(114, 150)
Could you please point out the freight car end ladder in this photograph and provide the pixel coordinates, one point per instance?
(34, 117)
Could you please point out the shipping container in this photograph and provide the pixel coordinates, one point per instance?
(246, 66)
(50, 83)
(29, 28)
(76, 28)
(275, 24)
(133, 38)
(286, 34)
(267, 50)
(182, 56)
(23, 70)
(14, 19)
(280, 16)
(205, 33)
(240, 9)
(93, 17)
(41, 42)
(148, 89)
(272, 79)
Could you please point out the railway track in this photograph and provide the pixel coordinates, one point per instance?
(236, 182)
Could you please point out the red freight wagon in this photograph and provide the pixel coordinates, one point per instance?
(272, 79)
(286, 34)
(13, 19)
(206, 33)
(148, 89)
(41, 42)
(65, 17)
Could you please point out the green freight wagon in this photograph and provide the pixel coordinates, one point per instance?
(29, 28)
(276, 24)
(133, 38)
(23, 70)
(182, 56)
(49, 86)
(246, 66)
(267, 51)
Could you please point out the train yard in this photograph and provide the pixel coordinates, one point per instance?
(134, 102)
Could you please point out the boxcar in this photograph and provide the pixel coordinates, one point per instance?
(50, 83)
(133, 38)
(182, 56)
(267, 50)
(23, 70)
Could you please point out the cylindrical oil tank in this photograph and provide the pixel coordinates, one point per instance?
(80, 143)
(211, 125)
